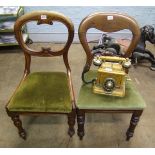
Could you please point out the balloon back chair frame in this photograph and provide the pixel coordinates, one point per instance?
(44, 17)
(107, 22)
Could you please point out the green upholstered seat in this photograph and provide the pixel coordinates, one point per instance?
(42, 92)
(88, 100)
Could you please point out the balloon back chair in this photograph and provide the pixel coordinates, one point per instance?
(43, 92)
(91, 102)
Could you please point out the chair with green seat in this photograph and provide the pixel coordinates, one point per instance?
(43, 92)
(90, 102)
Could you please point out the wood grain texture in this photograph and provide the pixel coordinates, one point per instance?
(101, 21)
(44, 17)
(107, 22)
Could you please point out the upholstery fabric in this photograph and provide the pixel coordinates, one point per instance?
(42, 92)
(89, 100)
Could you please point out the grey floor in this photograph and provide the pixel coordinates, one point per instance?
(101, 130)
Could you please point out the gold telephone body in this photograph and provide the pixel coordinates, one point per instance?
(111, 75)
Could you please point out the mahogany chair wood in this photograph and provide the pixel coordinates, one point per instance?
(96, 103)
(43, 92)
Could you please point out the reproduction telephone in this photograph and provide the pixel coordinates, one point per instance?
(111, 75)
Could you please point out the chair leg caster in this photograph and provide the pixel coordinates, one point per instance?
(81, 135)
(128, 138)
(23, 135)
(80, 121)
(133, 123)
(129, 135)
(71, 123)
(18, 123)
(71, 132)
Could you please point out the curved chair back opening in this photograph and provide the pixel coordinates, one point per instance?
(44, 17)
(108, 22)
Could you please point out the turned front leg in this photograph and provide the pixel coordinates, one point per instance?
(71, 123)
(80, 121)
(17, 122)
(133, 123)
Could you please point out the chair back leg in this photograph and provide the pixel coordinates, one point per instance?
(133, 123)
(80, 122)
(71, 122)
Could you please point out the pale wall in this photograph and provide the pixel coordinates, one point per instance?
(143, 15)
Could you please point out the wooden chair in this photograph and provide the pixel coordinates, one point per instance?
(90, 102)
(43, 92)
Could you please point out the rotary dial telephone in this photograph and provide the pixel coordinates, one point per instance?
(111, 75)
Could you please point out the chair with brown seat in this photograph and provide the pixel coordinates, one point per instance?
(43, 92)
(91, 102)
